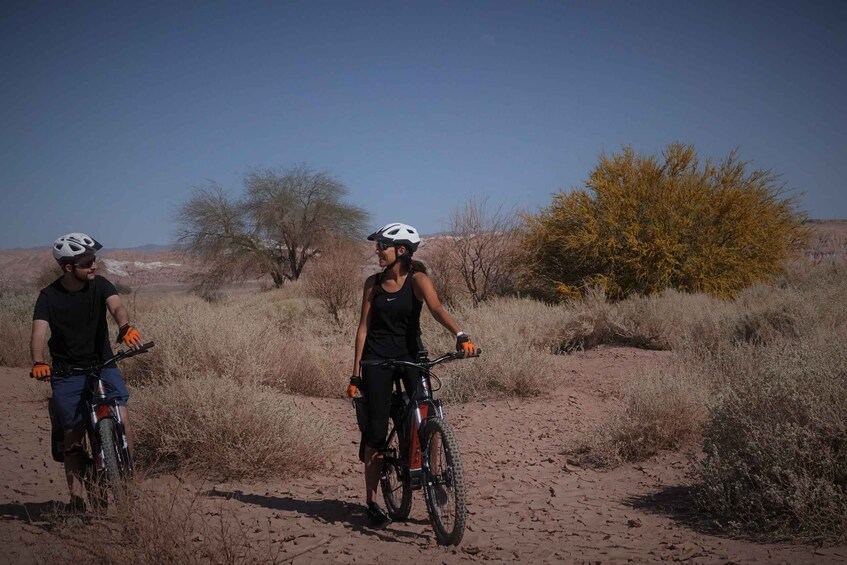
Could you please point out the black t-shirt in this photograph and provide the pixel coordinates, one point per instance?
(394, 329)
(79, 335)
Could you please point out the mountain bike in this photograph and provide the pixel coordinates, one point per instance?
(422, 453)
(108, 461)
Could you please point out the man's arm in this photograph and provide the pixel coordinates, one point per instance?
(117, 310)
(128, 334)
(36, 344)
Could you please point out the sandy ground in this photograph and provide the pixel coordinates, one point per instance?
(526, 502)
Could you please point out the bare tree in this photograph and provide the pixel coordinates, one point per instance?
(284, 219)
(484, 248)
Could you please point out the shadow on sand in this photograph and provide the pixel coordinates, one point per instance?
(677, 503)
(328, 511)
(44, 515)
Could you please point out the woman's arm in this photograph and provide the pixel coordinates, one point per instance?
(425, 292)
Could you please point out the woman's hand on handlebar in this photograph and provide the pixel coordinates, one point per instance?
(465, 346)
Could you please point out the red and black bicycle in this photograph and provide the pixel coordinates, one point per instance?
(422, 453)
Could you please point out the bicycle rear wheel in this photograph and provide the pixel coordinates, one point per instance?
(395, 481)
(444, 485)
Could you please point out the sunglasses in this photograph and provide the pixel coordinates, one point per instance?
(86, 264)
(383, 245)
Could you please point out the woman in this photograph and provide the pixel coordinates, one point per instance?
(389, 328)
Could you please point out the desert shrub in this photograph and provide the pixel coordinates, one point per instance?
(776, 439)
(226, 429)
(161, 523)
(670, 319)
(511, 363)
(313, 369)
(15, 328)
(268, 338)
(642, 226)
(193, 336)
(336, 278)
(664, 408)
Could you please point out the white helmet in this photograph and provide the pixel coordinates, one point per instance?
(72, 245)
(398, 234)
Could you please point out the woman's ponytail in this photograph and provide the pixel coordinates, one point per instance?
(411, 265)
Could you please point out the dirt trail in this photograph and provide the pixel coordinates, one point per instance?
(526, 503)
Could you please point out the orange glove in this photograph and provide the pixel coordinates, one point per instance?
(353, 388)
(129, 336)
(465, 345)
(40, 371)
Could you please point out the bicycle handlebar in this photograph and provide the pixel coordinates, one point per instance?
(123, 354)
(419, 364)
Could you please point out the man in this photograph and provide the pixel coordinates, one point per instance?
(74, 308)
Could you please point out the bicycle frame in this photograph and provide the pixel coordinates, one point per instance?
(99, 408)
(410, 427)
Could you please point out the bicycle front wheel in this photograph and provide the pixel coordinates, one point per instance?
(444, 485)
(114, 468)
(395, 481)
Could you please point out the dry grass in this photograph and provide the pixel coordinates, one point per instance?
(226, 429)
(664, 409)
(776, 440)
(512, 363)
(172, 523)
(15, 327)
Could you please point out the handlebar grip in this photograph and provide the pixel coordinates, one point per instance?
(147, 346)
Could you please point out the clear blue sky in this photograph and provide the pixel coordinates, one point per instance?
(111, 112)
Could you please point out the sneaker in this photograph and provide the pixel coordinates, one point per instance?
(377, 516)
(76, 505)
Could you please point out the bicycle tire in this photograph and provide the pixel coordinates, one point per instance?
(444, 479)
(113, 472)
(395, 481)
(93, 485)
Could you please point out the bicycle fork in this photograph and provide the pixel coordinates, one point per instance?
(102, 409)
(418, 458)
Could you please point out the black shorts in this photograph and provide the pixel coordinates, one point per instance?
(377, 385)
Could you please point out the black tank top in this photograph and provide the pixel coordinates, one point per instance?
(395, 324)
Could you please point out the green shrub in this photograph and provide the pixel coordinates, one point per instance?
(642, 226)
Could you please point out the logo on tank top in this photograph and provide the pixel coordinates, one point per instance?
(390, 299)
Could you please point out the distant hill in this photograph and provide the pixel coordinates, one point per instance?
(149, 248)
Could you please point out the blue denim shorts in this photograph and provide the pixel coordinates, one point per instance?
(68, 393)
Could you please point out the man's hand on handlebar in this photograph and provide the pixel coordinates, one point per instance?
(128, 335)
(40, 371)
(354, 386)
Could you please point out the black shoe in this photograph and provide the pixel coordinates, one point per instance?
(76, 505)
(377, 516)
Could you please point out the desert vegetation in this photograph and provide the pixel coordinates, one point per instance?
(642, 225)
(657, 254)
(284, 219)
